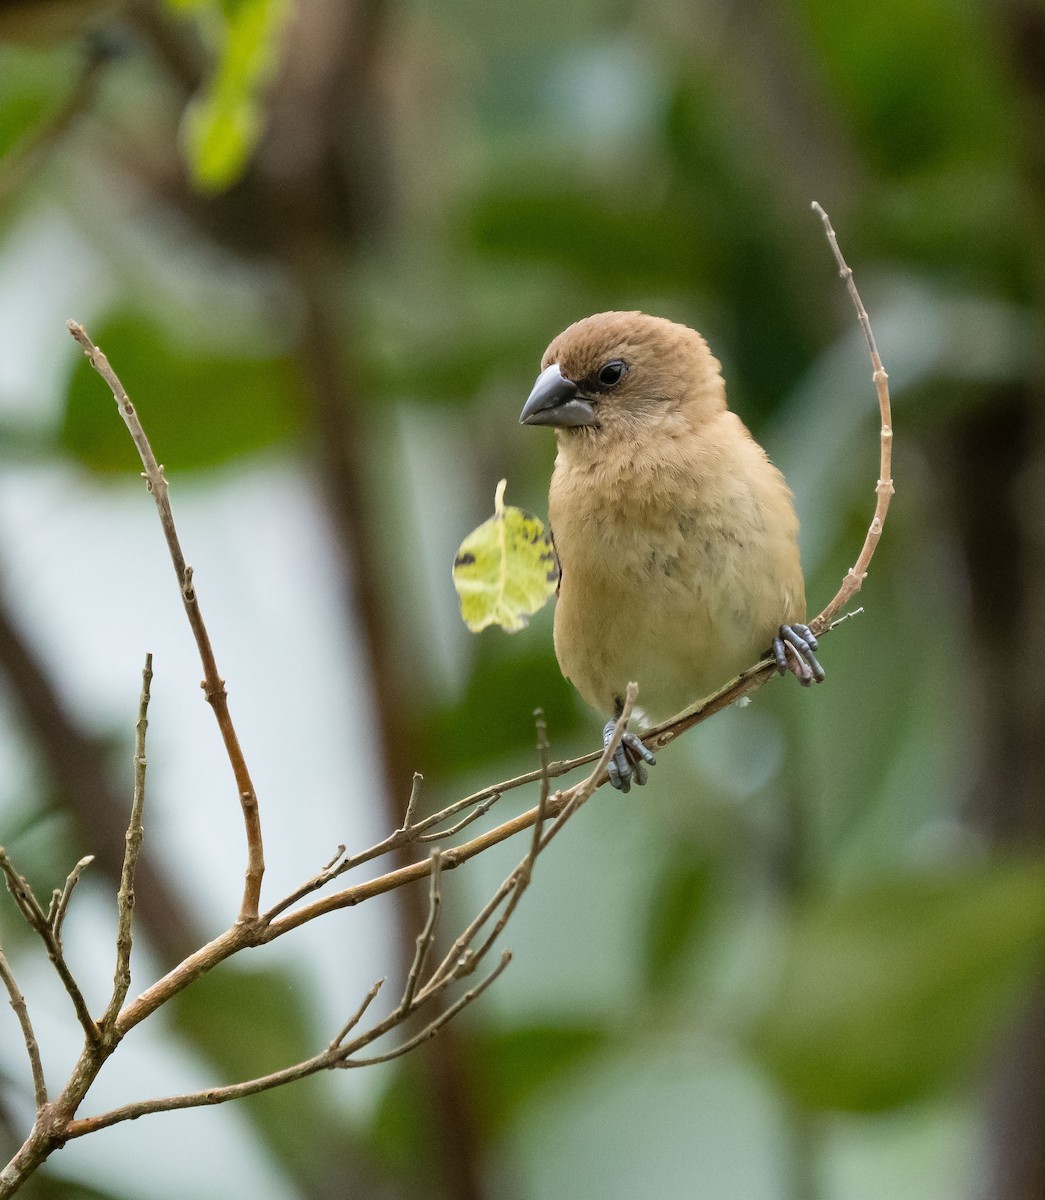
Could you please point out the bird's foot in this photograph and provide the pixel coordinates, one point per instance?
(793, 649)
(628, 764)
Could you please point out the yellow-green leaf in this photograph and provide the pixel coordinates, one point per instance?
(224, 121)
(505, 570)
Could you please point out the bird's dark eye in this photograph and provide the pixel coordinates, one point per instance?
(611, 373)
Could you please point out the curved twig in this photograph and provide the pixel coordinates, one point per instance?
(213, 684)
(857, 573)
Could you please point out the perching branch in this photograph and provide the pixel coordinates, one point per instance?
(463, 958)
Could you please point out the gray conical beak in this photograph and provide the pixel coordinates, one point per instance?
(554, 401)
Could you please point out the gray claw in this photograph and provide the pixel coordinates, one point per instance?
(801, 641)
(628, 764)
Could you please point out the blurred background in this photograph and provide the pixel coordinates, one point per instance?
(325, 244)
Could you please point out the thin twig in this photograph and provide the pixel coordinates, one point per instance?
(333, 870)
(477, 812)
(36, 918)
(597, 776)
(523, 873)
(543, 751)
(59, 907)
(411, 804)
(213, 684)
(426, 936)
(433, 1027)
(856, 575)
(211, 1096)
(357, 1016)
(135, 833)
(458, 960)
(31, 1045)
(407, 834)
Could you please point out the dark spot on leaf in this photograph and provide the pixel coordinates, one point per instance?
(464, 560)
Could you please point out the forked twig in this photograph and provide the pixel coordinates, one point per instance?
(357, 1016)
(37, 919)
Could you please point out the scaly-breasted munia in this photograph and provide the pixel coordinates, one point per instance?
(676, 536)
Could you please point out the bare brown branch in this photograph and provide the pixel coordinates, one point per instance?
(213, 684)
(857, 573)
(358, 1015)
(336, 1055)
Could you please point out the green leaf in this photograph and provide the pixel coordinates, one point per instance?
(198, 411)
(896, 991)
(220, 131)
(505, 570)
(222, 124)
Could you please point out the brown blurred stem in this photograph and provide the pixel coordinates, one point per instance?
(1001, 446)
(340, 445)
(323, 167)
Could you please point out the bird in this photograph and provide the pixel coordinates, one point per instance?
(677, 538)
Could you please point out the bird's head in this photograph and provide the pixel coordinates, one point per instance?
(618, 375)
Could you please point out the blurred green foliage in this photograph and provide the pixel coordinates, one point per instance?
(890, 991)
(28, 92)
(201, 411)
